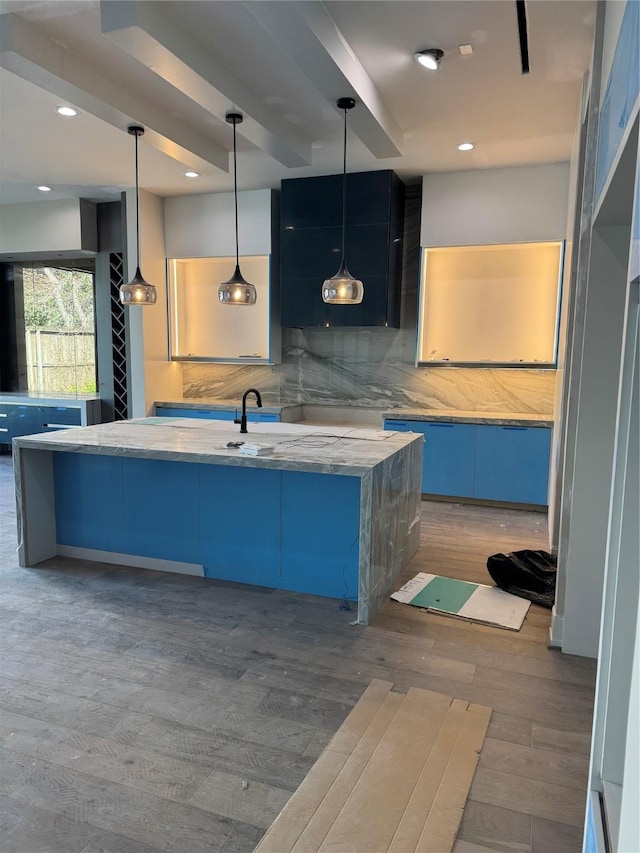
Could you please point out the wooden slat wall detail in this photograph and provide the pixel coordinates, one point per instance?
(394, 779)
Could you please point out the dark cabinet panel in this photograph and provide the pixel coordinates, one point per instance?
(311, 240)
(319, 249)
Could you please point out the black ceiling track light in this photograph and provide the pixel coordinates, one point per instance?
(236, 291)
(343, 288)
(137, 291)
(523, 35)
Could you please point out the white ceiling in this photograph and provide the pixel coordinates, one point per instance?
(177, 67)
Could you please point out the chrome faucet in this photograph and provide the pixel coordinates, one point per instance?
(243, 420)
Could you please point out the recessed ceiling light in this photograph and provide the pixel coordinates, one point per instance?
(465, 49)
(466, 146)
(191, 174)
(44, 189)
(66, 111)
(430, 58)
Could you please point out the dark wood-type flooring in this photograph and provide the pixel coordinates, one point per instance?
(143, 711)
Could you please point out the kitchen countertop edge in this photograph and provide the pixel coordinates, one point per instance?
(524, 419)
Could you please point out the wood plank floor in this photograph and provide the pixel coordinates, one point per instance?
(144, 712)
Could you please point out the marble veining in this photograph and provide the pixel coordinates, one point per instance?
(296, 448)
(468, 417)
(373, 368)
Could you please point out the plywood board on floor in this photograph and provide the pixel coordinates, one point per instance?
(474, 602)
(394, 779)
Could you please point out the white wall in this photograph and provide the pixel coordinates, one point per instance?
(41, 227)
(522, 204)
(203, 226)
(565, 333)
(151, 375)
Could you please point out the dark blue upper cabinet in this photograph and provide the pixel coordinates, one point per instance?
(311, 244)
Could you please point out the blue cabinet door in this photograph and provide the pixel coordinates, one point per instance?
(512, 464)
(320, 534)
(448, 456)
(240, 523)
(448, 460)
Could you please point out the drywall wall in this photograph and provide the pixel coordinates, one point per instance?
(521, 204)
(151, 375)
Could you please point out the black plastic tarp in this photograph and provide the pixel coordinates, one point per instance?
(528, 574)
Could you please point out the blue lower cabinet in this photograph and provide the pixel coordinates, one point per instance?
(216, 414)
(53, 417)
(498, 463)
(207, 414)
(448, 455)
(448, 459)
(160, 510)
(512, 464)
(320, 534)
(240, 523)
(17, 420)
(88, 490)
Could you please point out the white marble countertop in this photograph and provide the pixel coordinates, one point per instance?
(458, 416)
(297, 447)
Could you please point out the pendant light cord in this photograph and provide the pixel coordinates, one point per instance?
(344, 187)
(137, 207)
(235, 190)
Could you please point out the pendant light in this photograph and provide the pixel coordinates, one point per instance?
(137, 291)
(343, 288)
(236, 291)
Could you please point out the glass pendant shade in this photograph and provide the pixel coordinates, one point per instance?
(137, 291)
(343, 288)
(237, 290)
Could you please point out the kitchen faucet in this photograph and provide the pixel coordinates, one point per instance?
(243, 420)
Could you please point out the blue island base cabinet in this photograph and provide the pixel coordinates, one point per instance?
(488, 462)
(284, 529)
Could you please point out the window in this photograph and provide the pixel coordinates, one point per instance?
(59, 328)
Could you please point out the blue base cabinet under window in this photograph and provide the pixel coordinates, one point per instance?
(217, 414)
(483, 461)
(18, 419)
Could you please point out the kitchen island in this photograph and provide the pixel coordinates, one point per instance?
(331, 511)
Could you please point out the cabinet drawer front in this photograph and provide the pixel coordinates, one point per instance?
(512, 464)
(209, 414)
(63, 415)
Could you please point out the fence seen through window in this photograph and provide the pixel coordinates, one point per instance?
(59, 325)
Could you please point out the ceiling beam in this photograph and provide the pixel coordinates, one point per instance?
(147, 32)
(28, 52)
(308, 34)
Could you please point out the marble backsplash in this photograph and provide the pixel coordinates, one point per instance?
(372, 368)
